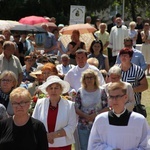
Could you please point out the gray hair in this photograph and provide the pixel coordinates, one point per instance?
(115, 70)
(65, 56)
(10, 74)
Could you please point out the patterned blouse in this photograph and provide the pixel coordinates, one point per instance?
(89, 103)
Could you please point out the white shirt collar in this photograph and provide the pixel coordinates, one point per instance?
(118, 115)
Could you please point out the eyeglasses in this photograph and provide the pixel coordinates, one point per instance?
(21, 104)
(6, 80)
(89, 78)
(116, 97)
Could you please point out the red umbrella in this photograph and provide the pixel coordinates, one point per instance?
(31, 20)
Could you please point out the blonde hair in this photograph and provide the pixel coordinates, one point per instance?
(94, 74)
(117, 86)
(20, 92)
(93, 61)
(132, 23)
(10, 74)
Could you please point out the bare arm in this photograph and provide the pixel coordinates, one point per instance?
(57, 134)
(142, 86)
(81, 114)
(106, 64)
(50, 49)
(106, 44)
(20, 77)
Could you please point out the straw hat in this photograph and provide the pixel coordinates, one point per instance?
(55, 79)
(37, 71)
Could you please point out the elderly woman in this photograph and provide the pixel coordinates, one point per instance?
(8, 81)
(132, 73)
(57, 114)
(22, 131)
(90, 101)
(114, 75)
(132, 32)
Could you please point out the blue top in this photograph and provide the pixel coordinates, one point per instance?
(101, 59)
(49, 41)
(26, 75)
(137, 59)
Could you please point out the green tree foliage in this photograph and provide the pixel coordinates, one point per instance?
(134, 8)
(16, 9)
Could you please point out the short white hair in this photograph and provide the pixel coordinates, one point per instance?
(132, 23)
(115, 70)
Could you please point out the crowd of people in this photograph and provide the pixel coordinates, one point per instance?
(81, 96)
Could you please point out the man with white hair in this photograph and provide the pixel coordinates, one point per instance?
(65, 65)
(103, 35)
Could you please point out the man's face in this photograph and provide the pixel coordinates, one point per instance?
(118, 21)
(10, 50)
(102, 27)
(81, 59)
(128, 44)
(117, 100)
(65, 61)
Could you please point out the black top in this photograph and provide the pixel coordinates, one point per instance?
(31, 136)
(74, 44)
(139, 38)
(119, 121)
(4, 98)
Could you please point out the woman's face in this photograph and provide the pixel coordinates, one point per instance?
(75, 37)
(89, 80)
(20, 106)
(146, 26)
(46, 73)
(132, 26)
(7, 83)
(29, 62)
(96, 47)
(54, 90)
(125, 58)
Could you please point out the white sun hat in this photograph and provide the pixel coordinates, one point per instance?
(55, 79)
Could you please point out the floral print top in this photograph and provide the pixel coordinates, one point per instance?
(89, 103)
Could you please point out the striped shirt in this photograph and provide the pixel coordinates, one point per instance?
(133, 76)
